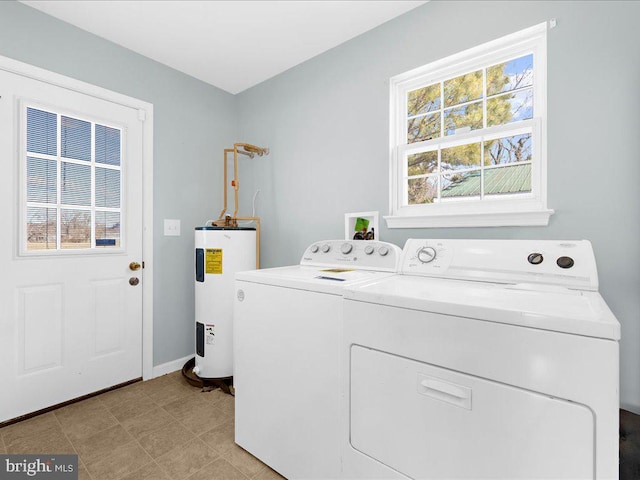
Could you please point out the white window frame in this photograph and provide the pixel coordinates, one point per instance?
(23, 251)
(507, 210)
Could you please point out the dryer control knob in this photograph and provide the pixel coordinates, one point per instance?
(383, 251)
(346, 248)
(314, 249)
(427, 254)
(326, 248)
(565, 262)
(369, 249)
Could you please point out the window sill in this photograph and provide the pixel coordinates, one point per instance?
(486, 219)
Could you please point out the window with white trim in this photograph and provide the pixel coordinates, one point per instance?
(71, 183)
(467, 137)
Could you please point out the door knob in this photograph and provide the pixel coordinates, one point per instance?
(134, 266)
(134, 281)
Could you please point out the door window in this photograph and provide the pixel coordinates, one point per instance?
(72, 184)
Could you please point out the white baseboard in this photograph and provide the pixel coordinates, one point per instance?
(170, 367)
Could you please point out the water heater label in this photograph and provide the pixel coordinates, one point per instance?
(214, 261)
(210, 335)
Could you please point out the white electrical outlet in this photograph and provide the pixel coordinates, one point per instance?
(171, 227)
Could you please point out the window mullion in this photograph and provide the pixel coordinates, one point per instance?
(59, 182)
(484, 98)
(93, 185)
(402, 117)
(464, 104)
(403, 173)
(442, 108)
(510, 92)
(515, 128)
(439, 171)
(482, 169)
(484, 126)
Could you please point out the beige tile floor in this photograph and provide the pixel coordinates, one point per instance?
(157, 430)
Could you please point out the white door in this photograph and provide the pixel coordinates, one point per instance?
(71, 217)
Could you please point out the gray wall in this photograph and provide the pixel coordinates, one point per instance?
(193, 122)
(326, 122)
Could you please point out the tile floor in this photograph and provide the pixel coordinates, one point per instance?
(162, 429)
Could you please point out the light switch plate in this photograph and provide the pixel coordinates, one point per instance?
(171, 227)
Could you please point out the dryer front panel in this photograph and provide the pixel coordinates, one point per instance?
(430, 422)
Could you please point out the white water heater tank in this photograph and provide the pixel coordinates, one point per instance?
(220, 253)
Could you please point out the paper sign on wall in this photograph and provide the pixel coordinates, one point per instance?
(213, 260)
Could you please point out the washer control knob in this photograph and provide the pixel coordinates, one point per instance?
(325, 248)
(346, 248)
(314, 249)
(535, 258)
(427, 254)
(565, 262)
(369, 249)
(383, 251)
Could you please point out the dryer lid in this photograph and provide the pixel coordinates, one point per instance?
(528, 305)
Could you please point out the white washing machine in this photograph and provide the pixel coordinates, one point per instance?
(482, 359)
(287, 343)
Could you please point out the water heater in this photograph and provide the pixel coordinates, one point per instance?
(220, 253)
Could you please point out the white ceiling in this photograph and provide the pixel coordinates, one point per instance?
(230, 44)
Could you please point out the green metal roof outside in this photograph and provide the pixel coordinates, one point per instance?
(510, 179)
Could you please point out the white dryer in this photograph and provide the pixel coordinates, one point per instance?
(482, 359)
(287, 343)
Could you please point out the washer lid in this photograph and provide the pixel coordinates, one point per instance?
(544, 307)
(324, 279)
(213, 227)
